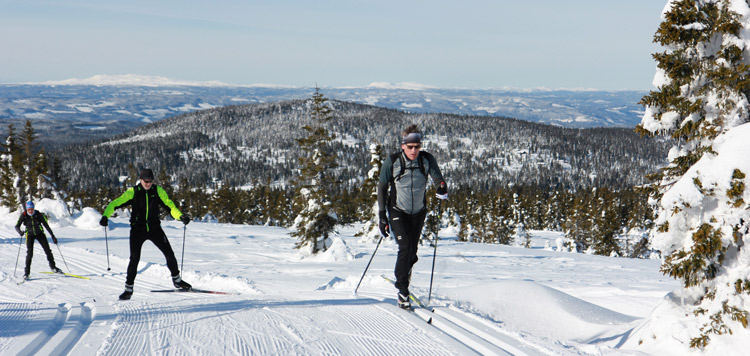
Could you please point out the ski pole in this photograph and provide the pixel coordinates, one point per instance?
(63, 258)
(106, 242)
(368, 265)
(434, 253)
(18, 255)
(182, 261)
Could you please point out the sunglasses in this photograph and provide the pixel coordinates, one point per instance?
(148, 181)
(413, 147)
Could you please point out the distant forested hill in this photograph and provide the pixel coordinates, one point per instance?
(255, 144)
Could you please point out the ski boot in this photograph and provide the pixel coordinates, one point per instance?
(127, 293)
(26, 277)
(403, 301)
(57, 270)
(180, 284)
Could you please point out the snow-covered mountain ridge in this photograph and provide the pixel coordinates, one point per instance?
(101, 106)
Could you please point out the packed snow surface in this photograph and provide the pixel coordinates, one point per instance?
(488, 299)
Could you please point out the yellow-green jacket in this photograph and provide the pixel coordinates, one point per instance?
(145, 206)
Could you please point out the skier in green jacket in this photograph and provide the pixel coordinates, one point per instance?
(145, 199)
(35, 220)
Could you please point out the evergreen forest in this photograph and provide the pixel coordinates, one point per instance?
(241, 164)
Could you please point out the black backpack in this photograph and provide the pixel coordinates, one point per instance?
(401, 159)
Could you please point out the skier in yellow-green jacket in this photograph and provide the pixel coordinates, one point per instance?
(35, 222)
(145, 199)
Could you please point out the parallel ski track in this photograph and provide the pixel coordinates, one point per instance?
(478, 335)
(382, 333)
(249, 327)
(41, 338)
(13, 318)
(161, 323)
(58, 332)
(475, 333)
(241, 326)
(492, 334)
(78, 320)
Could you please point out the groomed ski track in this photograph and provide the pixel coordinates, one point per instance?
(364, 326)
(327, 322)
(487, 299)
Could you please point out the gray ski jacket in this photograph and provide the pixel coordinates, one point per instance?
(403, 183)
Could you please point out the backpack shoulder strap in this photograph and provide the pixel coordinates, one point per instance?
(398, 156)
(420, 159)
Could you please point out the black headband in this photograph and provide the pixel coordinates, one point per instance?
(414, 137)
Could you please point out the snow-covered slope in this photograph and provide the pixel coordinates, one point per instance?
(489, 299)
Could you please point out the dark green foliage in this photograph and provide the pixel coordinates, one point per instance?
(25, 171)
(316, 183)
(431, 227)
(259, 205)
(701, 261)
(736, 189)
(593, 218)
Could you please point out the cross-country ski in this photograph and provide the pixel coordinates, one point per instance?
(192, 290)
(412, 297)
(68, 275)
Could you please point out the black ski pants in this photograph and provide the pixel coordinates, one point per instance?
(30, 251)
(407, 229)
(156, 235)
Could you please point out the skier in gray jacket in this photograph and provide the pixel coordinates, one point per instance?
(402, 192)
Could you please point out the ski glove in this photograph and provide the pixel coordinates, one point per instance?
(103, 221)
(383, 224)
(185, 218)
(442, 191)
(54, 239)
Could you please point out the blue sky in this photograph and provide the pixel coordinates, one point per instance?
(597, 44)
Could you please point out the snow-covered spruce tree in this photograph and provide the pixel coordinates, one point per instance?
(579, 223)
(607, 223)
(521, 237)
(519, 222)
(317, 218)
(10, 168)
(702, 224)
(502, 224)
(30, 171)
(43, 186)
(370, 231)
(24, 170)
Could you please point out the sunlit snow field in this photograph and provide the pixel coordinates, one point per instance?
(534, 301)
